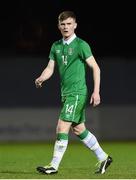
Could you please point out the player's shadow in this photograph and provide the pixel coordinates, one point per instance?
(16, 172)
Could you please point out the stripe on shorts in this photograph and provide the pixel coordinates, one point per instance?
(75, 107)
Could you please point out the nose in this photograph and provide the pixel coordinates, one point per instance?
(65, 26)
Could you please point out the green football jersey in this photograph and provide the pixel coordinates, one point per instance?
(71, 64)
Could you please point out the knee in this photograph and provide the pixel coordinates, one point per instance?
(59, 129)
(77, 130)
(63, 127)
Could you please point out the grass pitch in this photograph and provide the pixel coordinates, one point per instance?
(19, 161)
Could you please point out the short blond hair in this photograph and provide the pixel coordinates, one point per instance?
(65, 15)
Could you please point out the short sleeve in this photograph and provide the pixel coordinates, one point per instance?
(52, 52)
(85, 50)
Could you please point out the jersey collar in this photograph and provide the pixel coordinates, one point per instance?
(69, 40)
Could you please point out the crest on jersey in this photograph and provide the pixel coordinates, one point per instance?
(57, 51)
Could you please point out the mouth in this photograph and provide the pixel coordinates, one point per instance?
(65, 31)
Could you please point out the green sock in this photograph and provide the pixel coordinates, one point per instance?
(83, 134)
(63, 136)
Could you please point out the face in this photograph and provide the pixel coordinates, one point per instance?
(67, 27)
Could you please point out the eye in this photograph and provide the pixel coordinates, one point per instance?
(62, 24)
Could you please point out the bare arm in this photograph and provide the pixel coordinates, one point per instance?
(46, 74)
(95, 97)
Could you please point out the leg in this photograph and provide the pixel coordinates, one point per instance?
(91, 142)
(59, 148)
(61, 142)
(70, 112)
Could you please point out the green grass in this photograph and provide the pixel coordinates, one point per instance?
(19, 161)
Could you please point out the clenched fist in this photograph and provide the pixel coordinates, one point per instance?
(38, 82)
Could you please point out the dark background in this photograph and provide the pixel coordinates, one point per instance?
(28, 28)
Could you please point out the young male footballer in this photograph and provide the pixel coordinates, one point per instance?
(71, 54)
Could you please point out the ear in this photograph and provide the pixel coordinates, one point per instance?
(75, 26)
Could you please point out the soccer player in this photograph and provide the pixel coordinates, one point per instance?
(72, 54)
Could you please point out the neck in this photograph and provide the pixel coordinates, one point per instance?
(67, 37)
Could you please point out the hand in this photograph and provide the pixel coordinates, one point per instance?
(38, 82)
(95, 99)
